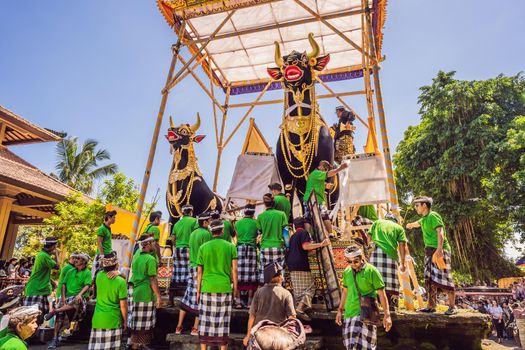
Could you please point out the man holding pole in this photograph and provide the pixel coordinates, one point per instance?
(104, 239)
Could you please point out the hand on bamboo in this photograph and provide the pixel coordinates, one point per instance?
(387, 322)
(326, 242)
(402, 267)
(339, 318)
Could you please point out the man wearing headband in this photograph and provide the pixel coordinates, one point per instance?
(111, 309)
(247, 272)
(70, 265)
(437, 249)
(181, 255)
(189, 302)
(152, 230)
(104, 239)
(271, 223)
(281, 201)
(217, 271)
(145, 294)
(387, 236)
(22, 325)
(38, 287)
(227, 232)
(357, 334)
(75, 290)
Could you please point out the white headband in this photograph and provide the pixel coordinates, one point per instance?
(353, 254)
(147, 240)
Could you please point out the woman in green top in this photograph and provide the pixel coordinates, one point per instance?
(436, 248)
(357, 334)
(104, 236)
(22, 325)
(111, 309)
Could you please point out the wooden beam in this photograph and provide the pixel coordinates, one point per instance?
(30, 211)
(28, 222)
(33, 201)
(3, 126)
(269, 102)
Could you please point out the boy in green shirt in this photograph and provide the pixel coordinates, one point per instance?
(217, 271)
(104, 239)
(281, 201)
(357, 334)
(437, 249)
(271, 223)
(22, 325)
(228, 232)
(146, 296)
(387, 236)
(152, 230)
(38, 287)
(111, 309)
(65, 269)
(247, 231)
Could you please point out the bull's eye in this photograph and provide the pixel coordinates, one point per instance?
(183, 132)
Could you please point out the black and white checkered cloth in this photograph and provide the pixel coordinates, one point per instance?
(357, 335)
(303, 287)
(441, 278)
(189, 301)
(181, 262)
(214, 315)
(105, 339)
(247, 264)
(267, 256)
(40, 300)
(388, 269)
(141, 315)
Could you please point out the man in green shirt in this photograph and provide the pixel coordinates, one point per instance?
(189, 302)
(75, 286)
(152, 230)
(70, 265)
(387, 236)
(104, 239)
(247, 231)
(38, 287)
(358, 334)
(437, 252)
(145, 294)
(282, 202)
(216, 272)
(228, 232)
(22, 325)
(316, 184)
(111, 309)
(271, 223)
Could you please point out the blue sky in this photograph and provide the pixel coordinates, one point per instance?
(95, 69)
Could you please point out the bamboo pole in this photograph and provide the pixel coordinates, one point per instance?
(188, 71)
(220, 146)
(269, 102)
(212, 88)
(151, 156)
(381, 116)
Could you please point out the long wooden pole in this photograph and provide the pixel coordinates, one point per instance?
(151, 156)
(220, 145)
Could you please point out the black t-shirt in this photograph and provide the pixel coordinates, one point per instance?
(297, 259)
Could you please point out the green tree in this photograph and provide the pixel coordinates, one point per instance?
(120, 191)
(451, 154)
(79, 167)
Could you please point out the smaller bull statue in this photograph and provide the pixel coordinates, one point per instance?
(186, 184)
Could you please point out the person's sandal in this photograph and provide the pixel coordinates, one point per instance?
(238, 306)
(178, 330)
(303, 316)
(451, 311)
(194, 331)
(428, 310)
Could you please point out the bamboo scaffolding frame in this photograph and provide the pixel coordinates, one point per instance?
(215, 124)
(220, 146)
(188, 71)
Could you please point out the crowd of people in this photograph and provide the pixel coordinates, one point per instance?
(15, 268)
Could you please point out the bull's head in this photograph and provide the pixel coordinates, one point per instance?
(183, 135)
(297, 68)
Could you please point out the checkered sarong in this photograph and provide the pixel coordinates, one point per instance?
(40, 300)
(181, 262)
(214, 315)
(303, 287)
(433, 275)
(105, 339)
(78, 313)
(267, 256)
(189, 301)
(357, 335)
(246, 265)
(141, 315)
(388, 269)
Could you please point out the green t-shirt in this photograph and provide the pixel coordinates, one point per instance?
(67, 267)
(283, 204)
(109, 294)
(246, 231)
(12, 342)
(227, 231)
(369, 281)
(386, 234)
(75, 280)
(183, 229)
(39, 281)
(105, 232)
(216, 257)
(316, 182)
(368, 211)
(198, 238)
(429, 224)
(152, 230)
(143, 267)
(271, 223)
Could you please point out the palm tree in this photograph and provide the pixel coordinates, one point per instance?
(79, 168)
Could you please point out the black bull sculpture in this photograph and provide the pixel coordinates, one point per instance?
(304, 140)
(186, 184)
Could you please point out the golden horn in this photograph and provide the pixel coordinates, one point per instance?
(171, 123)
(197, 125)
(278, 57)
(315, 47)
